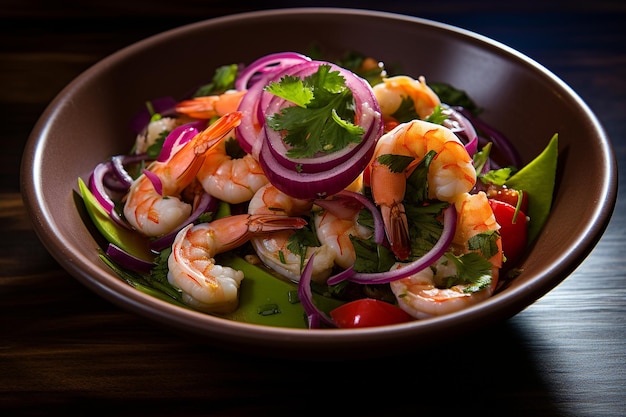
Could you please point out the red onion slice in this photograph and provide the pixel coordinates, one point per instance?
(367, 116)
(315, 316)
(267, 64)
(178, 137)
(128, 261)
(440, 248)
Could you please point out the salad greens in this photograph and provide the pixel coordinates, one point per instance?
(320, 120)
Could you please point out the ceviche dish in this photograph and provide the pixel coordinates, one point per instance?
(305, 191)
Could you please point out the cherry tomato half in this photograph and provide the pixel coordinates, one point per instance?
(368, 312)
(514, 235)
(508, 195)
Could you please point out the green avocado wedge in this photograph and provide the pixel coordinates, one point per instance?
(538, 180)
(267, 300)
(125, 239)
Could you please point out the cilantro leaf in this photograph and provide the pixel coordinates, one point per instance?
(292, 89)
(437, 116)
(485, 243)
(395, 163)
(406, 111)
(371, 257)
(299, 241)
(223, 80)
(321, 119)
(424, 226)
(417, 182)
(454, 97)
(471, 268)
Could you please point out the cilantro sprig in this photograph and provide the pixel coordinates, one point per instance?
(321, 119)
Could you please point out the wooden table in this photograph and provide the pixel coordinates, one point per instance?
(64, 349)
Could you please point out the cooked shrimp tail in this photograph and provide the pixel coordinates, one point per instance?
(450, 174)
(156, 210)
(202, 143)
(206, 285)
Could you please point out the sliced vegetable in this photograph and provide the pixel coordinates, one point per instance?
(442, 245)
(124, 238)
(368, 312)
(266, 300)
(538, 180)
(513, 229)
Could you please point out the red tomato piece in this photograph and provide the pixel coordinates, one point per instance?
(508, 195)
(514, 235)
(368, 312)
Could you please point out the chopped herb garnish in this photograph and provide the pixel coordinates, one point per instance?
(223, 80)
(471, 268)
(321, 119)
(371, 257)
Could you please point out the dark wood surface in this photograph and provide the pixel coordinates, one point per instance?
(64, 349)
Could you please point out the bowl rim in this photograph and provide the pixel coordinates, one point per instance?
(500, 305)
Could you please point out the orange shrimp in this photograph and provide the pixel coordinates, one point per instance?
(273, 249)
(207, 107)
(392, 91)
(155, 212)
(231, 179)
(205, 285)
(450, 175)
(422, 295)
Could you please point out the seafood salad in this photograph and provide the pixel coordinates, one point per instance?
(300, 192)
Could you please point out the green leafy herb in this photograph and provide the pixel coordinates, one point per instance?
(437, 116)
(485, 242)
(223, 80)
(471, 268)
(395, 163)
(497, 176)
(424, 226)
(299, 241)
(454, 97)
(371, 257)
(417, 182)
(321, 119)
(155, 148)
(406, 111)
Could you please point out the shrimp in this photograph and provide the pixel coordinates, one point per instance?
(273, 249)
(233, 179)
(450, 174)
(207, 107)
(336, 223)
(205, 285)
(153, 211)
(153, 131)
(423, 295)
(392, 91)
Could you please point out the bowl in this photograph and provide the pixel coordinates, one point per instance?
(88, 122)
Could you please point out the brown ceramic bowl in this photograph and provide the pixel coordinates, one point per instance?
(88, 122)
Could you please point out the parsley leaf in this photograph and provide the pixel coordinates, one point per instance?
(299, 241)
(371, 257)
(395, 163)
(454, 97)
(321, 119)
(223, 80)
(485, 242)
(424, 227)
(406, 111)
(417, 182)
(437, 116)
(472, 269)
